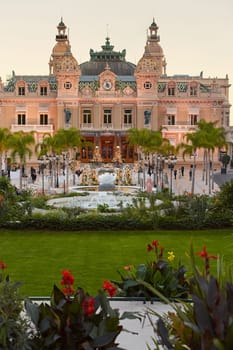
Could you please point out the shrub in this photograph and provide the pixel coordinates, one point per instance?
(14, 329)
(75, 320)
(207, 322)
(160, 272)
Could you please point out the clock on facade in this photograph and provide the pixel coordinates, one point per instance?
(107, 85)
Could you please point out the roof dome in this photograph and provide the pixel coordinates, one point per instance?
(115, 60)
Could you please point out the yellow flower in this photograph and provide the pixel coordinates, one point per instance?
(171, 256)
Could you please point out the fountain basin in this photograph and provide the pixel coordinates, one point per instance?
(93, 197)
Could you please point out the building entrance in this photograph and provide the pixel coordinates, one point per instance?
(107, 147)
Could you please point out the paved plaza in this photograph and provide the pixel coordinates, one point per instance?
(178, 185)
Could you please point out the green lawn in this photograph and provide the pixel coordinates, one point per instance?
(37, 258)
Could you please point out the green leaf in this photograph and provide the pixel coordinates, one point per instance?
(44, 325)
(33, 311)
(105, 340)
(57, 298)
(141, 271)
(129, 284)
(202, 315)
(130, 316)
(163, 334)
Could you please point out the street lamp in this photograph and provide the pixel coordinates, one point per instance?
(42, 166)
(140, 178)
(171, 164)
(159, 172)
(57, 171)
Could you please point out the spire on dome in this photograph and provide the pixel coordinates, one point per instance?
(61, 31)
(153, 29)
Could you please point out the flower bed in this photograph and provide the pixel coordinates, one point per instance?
(73, 319)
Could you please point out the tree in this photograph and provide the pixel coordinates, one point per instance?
(67, 141)
(207, 137)
(20, 144)
(150, 144)
(149, 141)
(210, 138)
(4, 139)
(190, 148)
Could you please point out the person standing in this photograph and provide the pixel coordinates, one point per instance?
(190, 174)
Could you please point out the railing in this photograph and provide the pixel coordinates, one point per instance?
(179, 127)
(87, 126)
(35, 127)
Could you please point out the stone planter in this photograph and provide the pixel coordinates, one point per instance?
(138, 334)
(143, 329)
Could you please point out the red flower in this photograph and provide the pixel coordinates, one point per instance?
(67, 279)
(68, 290)
(110, 288)
(205, 255)
(2, 265)
(149, 248)
(155, 243)
(89, 306)
(161, 252)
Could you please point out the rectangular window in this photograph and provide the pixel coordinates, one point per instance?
(193, 119)
(193, 91)
(86, 116)
(43, 91)
(21, 91)
(171, 120)
(21, 119)
(171, 91)
(127, 116)
(43, 119)
(107, 116)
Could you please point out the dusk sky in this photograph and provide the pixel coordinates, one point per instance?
(195, 35)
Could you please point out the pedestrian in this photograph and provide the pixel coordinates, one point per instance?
(149, 184)
(175, 173)
(182, 170)
(179, 173)
(33, 174)
(190, 174)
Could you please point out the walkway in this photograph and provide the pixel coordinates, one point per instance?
(179, 185)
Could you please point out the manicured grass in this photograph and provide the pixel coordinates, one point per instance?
(38, 257)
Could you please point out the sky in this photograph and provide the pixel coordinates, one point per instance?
(196, 35)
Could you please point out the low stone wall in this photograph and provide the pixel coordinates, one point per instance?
(143, 331)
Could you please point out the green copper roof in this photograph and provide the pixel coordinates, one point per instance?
(107, 53)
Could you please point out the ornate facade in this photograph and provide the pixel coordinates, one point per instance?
(107, 95)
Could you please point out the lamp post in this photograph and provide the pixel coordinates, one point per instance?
(159, 172)
(42, 166)
(66, 164)
(140, 178)
(57, 171)
(171, 164)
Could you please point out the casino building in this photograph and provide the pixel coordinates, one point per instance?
(107, 95)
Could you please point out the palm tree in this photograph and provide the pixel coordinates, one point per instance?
(67, 141)
(141, 138)
(19, 144)
(151, 144)
(210, 138)
(4, 139)
(48, 153)
(190, 148)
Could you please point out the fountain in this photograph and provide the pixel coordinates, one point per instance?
(106, 192)
(106, 180)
